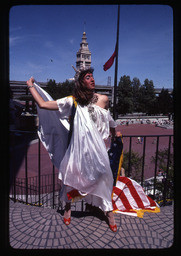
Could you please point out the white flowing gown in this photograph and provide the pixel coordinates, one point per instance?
(84, 165)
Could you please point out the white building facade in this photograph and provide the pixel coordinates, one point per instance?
(83, 54)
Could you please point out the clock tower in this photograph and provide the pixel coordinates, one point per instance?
(83, 54)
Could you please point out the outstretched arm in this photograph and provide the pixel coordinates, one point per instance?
(50, 105)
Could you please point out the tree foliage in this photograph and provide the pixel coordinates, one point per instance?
(136, 97)
(148, 96)
(136, 94)
(167, 182)
(125, 95)
(132, 96)
(165, 102)
(135, 165)
(59, 90)
(162, 162)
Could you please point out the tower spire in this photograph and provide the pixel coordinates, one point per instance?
(83, 54)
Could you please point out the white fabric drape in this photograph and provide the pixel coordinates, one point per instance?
(84, 165)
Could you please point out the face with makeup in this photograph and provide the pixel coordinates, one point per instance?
(88, 81)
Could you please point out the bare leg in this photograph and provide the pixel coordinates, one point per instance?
(67, 213)
(112, 223)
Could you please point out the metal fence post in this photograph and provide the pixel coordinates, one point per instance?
(156, 161)
(26, 175)
(166, 175)
(39, 172)
(53, 186)
(129, 162)
(13, 171)
(143, 162)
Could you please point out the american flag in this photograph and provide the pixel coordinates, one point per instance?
(128, 197)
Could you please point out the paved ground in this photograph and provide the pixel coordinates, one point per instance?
(32, 227)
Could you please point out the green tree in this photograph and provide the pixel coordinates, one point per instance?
(59, 90)
(162, 165)
(165, 102)
(132, 96)
(171, 110)
(52, 88)
(162, 162)
(136, 94)
(66, 88)
(125, 95)
(148, 98)
(135, 165)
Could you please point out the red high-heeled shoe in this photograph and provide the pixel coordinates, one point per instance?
(67, 214)
(67, 221)
(113, 227)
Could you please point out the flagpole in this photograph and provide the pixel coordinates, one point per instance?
(116, 67)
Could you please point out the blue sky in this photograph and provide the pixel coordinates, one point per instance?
(44, 40)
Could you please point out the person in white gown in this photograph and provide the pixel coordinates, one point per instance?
(84, 164)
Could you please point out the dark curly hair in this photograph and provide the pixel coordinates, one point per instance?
(82, 94)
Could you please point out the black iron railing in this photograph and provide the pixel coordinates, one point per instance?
(43, 189)
(159, 190)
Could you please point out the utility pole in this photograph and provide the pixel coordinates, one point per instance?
(116, 67)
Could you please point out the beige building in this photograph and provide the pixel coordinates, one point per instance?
(84, 60)
(83, 54)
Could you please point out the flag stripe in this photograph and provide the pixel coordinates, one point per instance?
(152, 202)
(124, 198)
(119, 205)
(130, 198)
(122, 186)
(133, 191)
